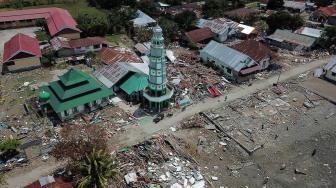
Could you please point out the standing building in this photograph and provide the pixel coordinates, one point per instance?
(21, 53)
(157, 94)
(75, 92)
(232, 64)
(59, 21)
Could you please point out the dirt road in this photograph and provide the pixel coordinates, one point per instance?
(31, 174)
(134, 135)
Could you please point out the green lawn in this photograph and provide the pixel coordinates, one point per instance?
(80, 6)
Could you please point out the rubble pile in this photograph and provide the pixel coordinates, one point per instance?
(191, 79)
(157, 163)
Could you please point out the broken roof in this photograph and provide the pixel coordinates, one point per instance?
(57, 19)
(60, 42)
(111, 74)
(113, 55)
(311, 32)
(21, 43)
(228, 56)
(331, 65)
(199, 35)
(288, 36)
(254, 49)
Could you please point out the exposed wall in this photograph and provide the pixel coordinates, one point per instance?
(23, 64)
(74, 35)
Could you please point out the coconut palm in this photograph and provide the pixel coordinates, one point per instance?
(97, 167)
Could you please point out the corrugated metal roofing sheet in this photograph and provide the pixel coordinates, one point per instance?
(311, 32)
(57, 19)
(288, 36)
(142, 19)
(228, 56)
(21, 43)
(137, 82)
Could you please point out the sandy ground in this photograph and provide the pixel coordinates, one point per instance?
(136, 134)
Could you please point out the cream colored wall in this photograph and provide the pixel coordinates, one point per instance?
(25, 63)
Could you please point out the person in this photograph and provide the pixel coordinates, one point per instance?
(226, 97)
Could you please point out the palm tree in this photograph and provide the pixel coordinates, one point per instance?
(97, 167)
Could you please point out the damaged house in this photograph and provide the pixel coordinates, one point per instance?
(291, 41)
(232, 63)
(66, 48)
(325, 15)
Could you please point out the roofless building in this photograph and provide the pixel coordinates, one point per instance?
(75, 92)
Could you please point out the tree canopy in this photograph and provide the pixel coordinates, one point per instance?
(215, 8)
(92, 25)
(169, 28)
(328, 39)
(186, 19)
(96, 168)
(275, 4)
(323, 3)
(283, 20)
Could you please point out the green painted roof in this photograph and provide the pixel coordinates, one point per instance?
(67, 97)
(44, 96)
(137, 82)
(73, 76)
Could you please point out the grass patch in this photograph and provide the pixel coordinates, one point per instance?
(120, 40)
(42, 35)
(79, 6)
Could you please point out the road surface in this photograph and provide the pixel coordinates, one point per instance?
(137, 134)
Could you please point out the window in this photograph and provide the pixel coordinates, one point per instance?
(96, 46)
(66, 113)
(75, 110)
(10, 63)
(333, 74)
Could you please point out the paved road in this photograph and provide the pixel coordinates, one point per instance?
(138, 134)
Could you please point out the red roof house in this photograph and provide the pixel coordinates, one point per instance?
(59, 21)
(199, 35)
(21, 44)
(66, 47)
(324, 15)
(50, 182)
(256, 51)
(327, 11)
(21, 52)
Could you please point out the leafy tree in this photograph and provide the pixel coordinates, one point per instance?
(284, 20)
(9, 148)
(41, 23)
(328, 39)
(108, 4)
(323, 3)
(96, 168)
(78, 140)
(186, 19)
(143, 34)
(169, 28)
(119, 20)
(275, 4)
(148, 7)
(92, 25)
(215, 8)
